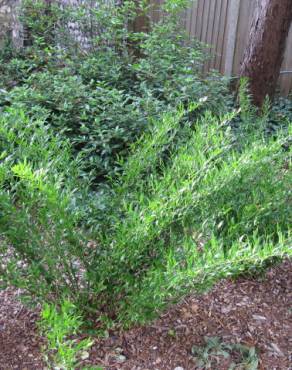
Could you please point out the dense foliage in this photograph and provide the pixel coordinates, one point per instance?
(104, 96)
(127, 178)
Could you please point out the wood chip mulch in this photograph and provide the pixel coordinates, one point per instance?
(19, 340)
(254, 312)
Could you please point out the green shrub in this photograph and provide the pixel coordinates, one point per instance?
(208, 209)
(213, 204)
(40, 241)
(193, 194)
(99, 121)
(103, 98)
(59, 326)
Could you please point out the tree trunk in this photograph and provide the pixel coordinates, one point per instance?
(264, 54)
(139, 24)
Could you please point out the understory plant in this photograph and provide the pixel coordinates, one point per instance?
(217, 205)
(59, 326)
(127, 179)
(102, 92)
(215, 350)
(194, 204)
(41, 246)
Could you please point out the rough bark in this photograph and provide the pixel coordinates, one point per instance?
(139, 24)
(10, 27)
(264, 54)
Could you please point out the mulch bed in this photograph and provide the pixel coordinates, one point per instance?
(254, 312)
(19, 340)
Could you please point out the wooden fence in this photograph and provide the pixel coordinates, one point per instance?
(222, 24)
(225, 25)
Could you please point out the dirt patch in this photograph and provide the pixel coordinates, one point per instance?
(252, 312)
(19, 341)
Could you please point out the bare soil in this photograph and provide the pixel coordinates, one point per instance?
(255, 312)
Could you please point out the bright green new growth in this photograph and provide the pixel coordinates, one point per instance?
(217, 209)
(197, 194)
(58, 326)
(195, 203)
(38, 178)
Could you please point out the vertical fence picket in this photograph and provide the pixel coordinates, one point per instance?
(224, 24)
